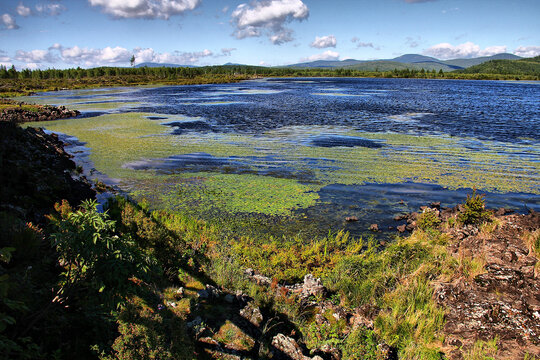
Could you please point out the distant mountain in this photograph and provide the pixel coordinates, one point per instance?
(328, 63)
(414, 58)
(153, 65)
(407, 61)
(522, 66)
(465, 63)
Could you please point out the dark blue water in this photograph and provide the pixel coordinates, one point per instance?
(505, 112)
(493, 110)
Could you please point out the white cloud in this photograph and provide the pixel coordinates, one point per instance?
(324, 42)
(23, 10)
(177, 57)
(95, 57)
(227, 51)
(446, 51)
(9, 22)
(269, 17)
(31, 66)
(148, 9)
(281, 37)
(35, 56)
(327, 55)
(527, 51)
(50, 9)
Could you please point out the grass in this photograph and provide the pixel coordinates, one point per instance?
(482, 350)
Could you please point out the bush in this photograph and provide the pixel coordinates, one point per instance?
(474, 209)
(93, 258)
(428, 219)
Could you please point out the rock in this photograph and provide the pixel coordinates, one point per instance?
(400, 217)
(351, 218)
(312, 286)
(195, 322)
(213, 291)
(252, 314)
(229, 298)
(289, 347)
(203, 294)
(436, 205)
(331, 351)
(374, 227)
(401, 228)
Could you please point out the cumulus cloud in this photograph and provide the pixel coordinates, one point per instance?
(9, 22)
(23, 10)
(50, 9)
(35, 56)
(324, 42)
(148, 9)
(91, 57)
(527, 51)
(268, 17)
(327, 55)
(446, 51)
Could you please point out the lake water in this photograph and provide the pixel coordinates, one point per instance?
(316, 150)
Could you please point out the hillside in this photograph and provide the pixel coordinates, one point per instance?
(527, 66)
(403, 62)
(466, 63)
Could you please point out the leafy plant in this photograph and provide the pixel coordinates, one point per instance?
(93, 258)
(428, 219)
(474, 209)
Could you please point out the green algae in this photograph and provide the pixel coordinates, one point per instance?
(109, 105)
(452, 162)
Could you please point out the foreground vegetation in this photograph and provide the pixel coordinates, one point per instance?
(13, 82)
(77, 282)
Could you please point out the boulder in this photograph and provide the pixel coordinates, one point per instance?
(312, 286)
(289, 347)
(252, 314)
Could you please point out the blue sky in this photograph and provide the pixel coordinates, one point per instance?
(87, 33)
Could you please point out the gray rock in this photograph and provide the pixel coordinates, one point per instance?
(252, 314)
(312, 286)
(289, 347)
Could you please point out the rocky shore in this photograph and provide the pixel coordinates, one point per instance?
(20, 112)
(494, 295)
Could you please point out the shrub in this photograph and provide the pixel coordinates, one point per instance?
(428, 219)
(94, 258)
(474, 209)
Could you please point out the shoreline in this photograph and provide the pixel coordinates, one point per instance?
(472, 274)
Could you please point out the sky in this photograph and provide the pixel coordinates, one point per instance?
(88, 33)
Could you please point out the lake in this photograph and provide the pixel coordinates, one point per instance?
(300, 155)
